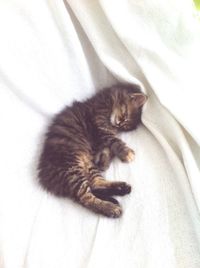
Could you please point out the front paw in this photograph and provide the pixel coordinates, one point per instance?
(103, 159)
(126, 155)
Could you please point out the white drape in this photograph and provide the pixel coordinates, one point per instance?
(52, 52)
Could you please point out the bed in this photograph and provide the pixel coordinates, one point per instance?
(53, 52)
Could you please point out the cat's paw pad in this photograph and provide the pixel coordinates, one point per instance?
(127, 155)
(130, 156)
(115, 213)
(109, 209)
(122, 188)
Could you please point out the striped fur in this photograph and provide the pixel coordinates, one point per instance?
(81, 142)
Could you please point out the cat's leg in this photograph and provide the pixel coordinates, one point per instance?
(121, 150)
(116, 146)
(81, 189)
(107, 208)
(100, 186)
(87, 199)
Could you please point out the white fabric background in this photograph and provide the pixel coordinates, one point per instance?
(52, 52)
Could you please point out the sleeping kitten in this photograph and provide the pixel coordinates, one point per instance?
(81, 142)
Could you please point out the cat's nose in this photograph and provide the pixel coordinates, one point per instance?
(117, 120)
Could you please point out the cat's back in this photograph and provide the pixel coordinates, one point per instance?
(68, 129)
(70, 117)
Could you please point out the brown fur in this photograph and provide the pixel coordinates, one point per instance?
(81, 142)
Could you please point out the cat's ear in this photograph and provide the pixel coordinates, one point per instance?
(139, 99)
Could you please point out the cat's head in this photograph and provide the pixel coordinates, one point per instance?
(127, 107)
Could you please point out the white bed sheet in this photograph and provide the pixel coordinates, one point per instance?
(46, 61)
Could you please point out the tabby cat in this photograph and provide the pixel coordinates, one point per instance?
(81, 142)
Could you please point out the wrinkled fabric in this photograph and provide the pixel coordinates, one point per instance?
(53, 52)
